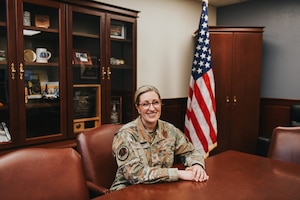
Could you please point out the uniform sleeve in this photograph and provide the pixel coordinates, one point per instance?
(187, 152)
(133, 164)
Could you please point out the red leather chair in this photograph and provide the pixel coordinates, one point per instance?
(285, 144)
(95, 148)
(40, 173)
(263, 142)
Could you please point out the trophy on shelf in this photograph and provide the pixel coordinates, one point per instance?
(114, 115)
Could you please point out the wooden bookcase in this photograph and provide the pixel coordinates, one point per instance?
(37, 99)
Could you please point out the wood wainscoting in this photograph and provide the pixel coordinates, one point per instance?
(173, 111)
(273, 113)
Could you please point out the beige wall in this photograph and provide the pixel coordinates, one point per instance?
(165, 44)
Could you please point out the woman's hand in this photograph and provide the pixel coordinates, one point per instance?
(195, 173)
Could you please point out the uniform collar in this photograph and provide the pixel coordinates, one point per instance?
(145, 136)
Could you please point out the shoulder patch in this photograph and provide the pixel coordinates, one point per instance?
(123, 153)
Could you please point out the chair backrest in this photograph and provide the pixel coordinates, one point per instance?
(40, 173)
(285, 144)
(95, 147)
(295, 115)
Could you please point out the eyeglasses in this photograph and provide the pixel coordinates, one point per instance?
(146, 105)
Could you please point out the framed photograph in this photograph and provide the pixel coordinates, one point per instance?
(33, 85)
(116, 110)
(81, 57)
(50, 90)
(86, 98)
(117, 30)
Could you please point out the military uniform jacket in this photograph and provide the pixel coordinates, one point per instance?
(144, 157)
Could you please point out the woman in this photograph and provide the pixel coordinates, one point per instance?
(145, 148)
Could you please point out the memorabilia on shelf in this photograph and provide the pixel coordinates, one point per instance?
(29, 55)
(42, 21)
(86, 104)
(32, 83)
(50, 90)
(86, 101)
(116, 108)
(82, 57)
(117, 30)
(115, 61)
(26, 18)
(42, 55)
(2, 55)
(4, 133)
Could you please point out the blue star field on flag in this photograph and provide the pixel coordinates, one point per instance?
(202, 57)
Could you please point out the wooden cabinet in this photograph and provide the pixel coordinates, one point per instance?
(237, 59)
(92, 61)
(30, 113)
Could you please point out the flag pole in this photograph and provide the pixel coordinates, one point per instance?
(200, 118)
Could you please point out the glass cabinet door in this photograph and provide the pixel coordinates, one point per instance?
(41, 71)
(7, 76)
(122, 67)
(85, 84)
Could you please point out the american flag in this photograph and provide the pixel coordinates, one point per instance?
(200, 119)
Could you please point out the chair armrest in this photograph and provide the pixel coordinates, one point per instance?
(96, 190)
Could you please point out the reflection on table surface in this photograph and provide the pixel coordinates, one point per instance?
(233, 175)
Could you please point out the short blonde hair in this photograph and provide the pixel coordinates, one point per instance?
(143, 89)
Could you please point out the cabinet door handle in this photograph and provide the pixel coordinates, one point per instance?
(103, 73)
(234, 100)
(21, 71)
(108, 73)
(13, 71)
(227, 99)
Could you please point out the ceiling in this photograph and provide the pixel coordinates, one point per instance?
(219, 3)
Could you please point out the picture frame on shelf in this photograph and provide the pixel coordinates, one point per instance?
(33, 85)
(86, 98)
(50, 90)
(82, 57)
(117, 30)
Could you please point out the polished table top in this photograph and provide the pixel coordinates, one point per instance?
(232, 175)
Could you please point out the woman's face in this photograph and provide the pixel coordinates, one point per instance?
(149, 108)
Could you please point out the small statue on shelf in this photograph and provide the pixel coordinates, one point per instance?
(114, 116)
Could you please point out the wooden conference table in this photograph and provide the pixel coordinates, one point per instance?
(232, 175)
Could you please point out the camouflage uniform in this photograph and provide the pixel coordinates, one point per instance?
(144, 157)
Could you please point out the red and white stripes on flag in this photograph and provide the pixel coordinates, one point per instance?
(200, 119)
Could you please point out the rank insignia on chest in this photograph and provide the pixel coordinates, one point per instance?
(123, 153)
